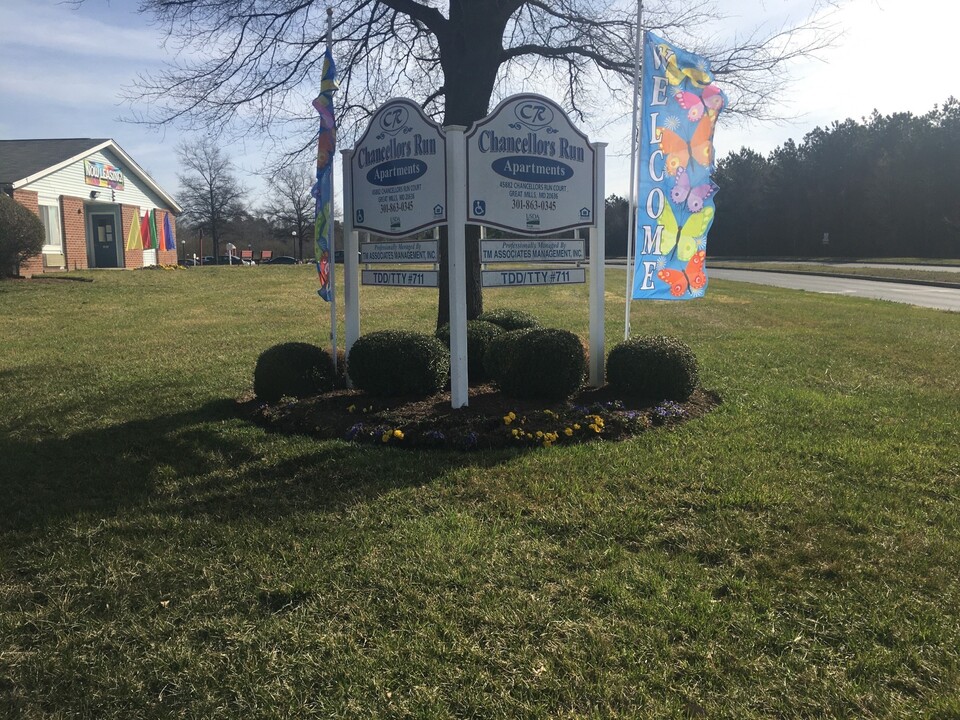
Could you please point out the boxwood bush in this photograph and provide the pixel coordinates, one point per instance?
(658, 367)
(399, 362)
(479, 335)
(292, 369)
(540, 363)
(500, 351)
(509, 319)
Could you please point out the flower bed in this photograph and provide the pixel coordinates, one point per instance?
(491, 420)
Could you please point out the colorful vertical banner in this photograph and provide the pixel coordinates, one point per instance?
(154, 240)
(170, 240)
(323, 189)
(145, 230)
(134, 241)
(675, 206)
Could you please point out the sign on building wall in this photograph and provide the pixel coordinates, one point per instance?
(529, 169)
(101, 174)
(398, 172)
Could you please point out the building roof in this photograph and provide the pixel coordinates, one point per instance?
(23, 161)
(20, 159)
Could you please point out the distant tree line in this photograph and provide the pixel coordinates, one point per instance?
(882, 187)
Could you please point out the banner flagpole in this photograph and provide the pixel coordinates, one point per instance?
(324, 239)
(333, 222)
(632, 212)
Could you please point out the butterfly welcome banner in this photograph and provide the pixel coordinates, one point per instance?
(675, 205)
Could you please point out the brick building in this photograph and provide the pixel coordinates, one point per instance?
(87, 193)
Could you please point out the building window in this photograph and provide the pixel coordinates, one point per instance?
(53, 238)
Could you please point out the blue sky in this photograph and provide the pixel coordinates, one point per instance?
(64, 68)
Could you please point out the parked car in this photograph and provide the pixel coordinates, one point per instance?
(281, 260)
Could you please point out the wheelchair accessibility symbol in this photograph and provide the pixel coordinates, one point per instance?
(359, 216)
(479, 208)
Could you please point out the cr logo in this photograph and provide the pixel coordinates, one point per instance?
(393, 119)
(534, 114)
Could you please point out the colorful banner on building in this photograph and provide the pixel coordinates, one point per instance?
(101, 174)
(675, 205)
(154, 240)
(145, 230)
(134, 241)
(323, 189)
(170, 242)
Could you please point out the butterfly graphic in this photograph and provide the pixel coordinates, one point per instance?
(685, 238)
(679, 151)
(693, 196)
(676, 74)
(709, 102)
(690, 278)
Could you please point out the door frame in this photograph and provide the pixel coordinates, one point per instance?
(113, 212)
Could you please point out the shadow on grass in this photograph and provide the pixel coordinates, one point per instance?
(202, 462)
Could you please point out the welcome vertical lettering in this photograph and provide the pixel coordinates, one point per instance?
(679, 109)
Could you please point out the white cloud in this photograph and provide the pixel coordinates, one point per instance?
(57, 29)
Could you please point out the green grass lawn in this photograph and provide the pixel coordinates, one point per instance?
(791, 554)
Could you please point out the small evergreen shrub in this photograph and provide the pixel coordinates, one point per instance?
(510, 319)
(21, 235)
(479, 335)
(399, 362)
(500, 352)
(657, 367)
(292, 369)
(540, 363)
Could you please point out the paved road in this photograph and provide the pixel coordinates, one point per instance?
(922, 295)
(841, 265)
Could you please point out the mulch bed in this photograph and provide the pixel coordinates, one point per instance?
(491, 420)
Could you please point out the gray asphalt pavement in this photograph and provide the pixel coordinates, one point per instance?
(922, 295)
(841, 265)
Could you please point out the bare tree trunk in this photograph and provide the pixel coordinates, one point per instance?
(469, 76)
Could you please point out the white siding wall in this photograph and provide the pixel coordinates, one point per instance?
(69, 181)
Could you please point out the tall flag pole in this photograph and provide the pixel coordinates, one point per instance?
(632, 213)
(676, 160)
(323, 236)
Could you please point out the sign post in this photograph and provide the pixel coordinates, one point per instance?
(351, 291)
(456, 261)
(597, 266)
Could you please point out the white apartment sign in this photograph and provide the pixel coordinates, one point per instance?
(420, 251)
(494, 251)
(398, 172)
(400, 278)
(529, 169)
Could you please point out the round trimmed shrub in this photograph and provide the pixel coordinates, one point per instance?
(509, 319)
(399, 362)
(657, 367)
(500, 352)
(479, 335)
(292, 369)
(537, 363)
